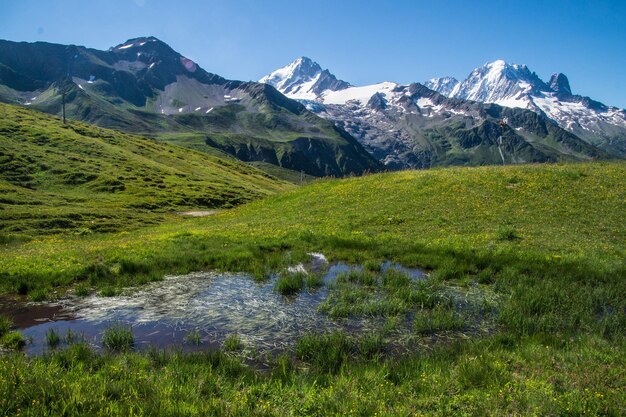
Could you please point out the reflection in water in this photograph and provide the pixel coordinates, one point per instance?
(215, 304)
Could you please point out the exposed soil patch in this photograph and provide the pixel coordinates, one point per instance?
(199, 213)
(27, 314)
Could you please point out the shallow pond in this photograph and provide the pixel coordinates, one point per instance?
(215, 305)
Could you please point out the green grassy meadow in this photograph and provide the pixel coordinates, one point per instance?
(545, 241)
(455, 221)
(77, 178)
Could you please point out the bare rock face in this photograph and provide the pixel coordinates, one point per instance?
(560, 84)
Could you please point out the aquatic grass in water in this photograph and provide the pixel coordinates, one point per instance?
(440, 318)
(71, 337)
(394, 279)
(233, 343)
(193, 337)
(110, 291)
(290, 283)
(372, 265)
(170, 312)
(364, 293)
(358, 277)
(5, 325)
(261, 274)
(118, 338)
(52, 338)
(314, 281)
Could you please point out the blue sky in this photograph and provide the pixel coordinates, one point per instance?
(359, 41)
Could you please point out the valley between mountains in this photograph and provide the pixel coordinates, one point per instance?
(319, 124)
(176, 243)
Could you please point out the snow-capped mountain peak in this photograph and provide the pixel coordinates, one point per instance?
(443, 85)
(500, 82)
(513, 85)
(495, 82)
(301, 70)
(303, 79)
(396, 122)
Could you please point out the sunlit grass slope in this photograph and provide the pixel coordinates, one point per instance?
(546, 240)
(540, 219)
(83, 179)
(572, 209)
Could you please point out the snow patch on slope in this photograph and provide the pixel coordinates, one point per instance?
(358, 94)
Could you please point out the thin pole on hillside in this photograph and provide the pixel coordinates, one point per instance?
(63, 103)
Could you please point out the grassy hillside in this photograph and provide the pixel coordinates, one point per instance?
(268, 129)
(276, 131)
(545, 241)
(459, 220)
(149, 90)
(83, 179)
(291, 176)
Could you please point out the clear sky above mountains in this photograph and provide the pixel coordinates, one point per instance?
(359, 41)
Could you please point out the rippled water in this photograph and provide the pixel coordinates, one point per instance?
(214, 304)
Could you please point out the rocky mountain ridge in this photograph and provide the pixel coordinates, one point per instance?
(413, 126)
(144, 86)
